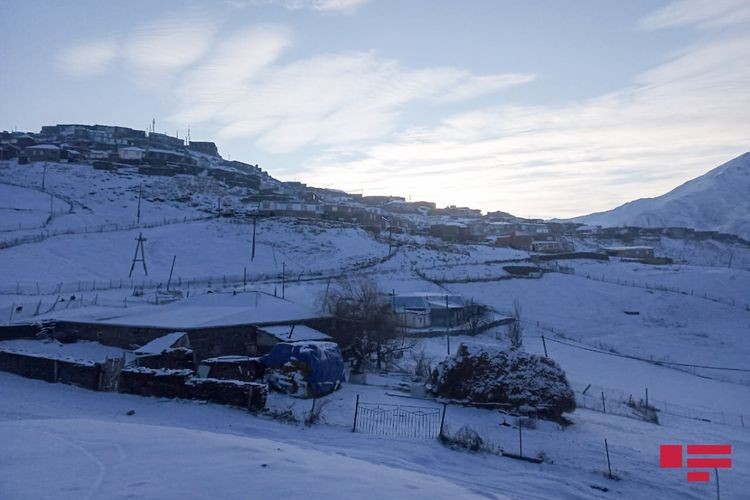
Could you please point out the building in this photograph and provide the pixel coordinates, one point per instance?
(290, 208)
(132, 154)
(156, 156)
(429, 310)
(216, 324)
(205, 147)
(632, 252)
(269, 336)
(547, 246)
(451, 231)
(42, 152)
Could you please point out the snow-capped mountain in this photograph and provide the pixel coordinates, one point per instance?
(718, 201)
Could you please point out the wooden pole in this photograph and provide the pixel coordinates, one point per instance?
(442, 420)
(252, 251)
(171, 270)
(718, 493)
(609, 464)
(520, 438)
(646, 397)
(544, 344)
(140, 195)
(356, 410)
(283, 280)
(604, 405)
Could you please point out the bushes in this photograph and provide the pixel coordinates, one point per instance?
(513, 378)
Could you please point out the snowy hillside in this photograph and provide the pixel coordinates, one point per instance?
(616, 328)
(716, 201)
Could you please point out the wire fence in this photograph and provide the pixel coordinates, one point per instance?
(103, 228)
(649, 409)
(651, 286)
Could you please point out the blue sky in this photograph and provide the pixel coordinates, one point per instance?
(539, 108)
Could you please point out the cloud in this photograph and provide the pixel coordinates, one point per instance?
(324, 6)
(88, 58)
(329, 100)
(169, 44)
(713, 13)
(215, 87)
(675, 122)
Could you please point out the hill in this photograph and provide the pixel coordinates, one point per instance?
(715, 201)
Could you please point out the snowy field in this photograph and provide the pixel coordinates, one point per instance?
(81, 444)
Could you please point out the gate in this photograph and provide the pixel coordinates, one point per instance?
(110, 373)
(400, 421)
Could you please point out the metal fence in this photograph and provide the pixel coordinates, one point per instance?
(402, 421)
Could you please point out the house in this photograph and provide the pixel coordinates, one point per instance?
(42, 152)
(290, 208)
(451, 231)
(131, 154)
(631, 252)
(547, 246)
(216, 324)
(9, 151)
(205, 147)
(516, 240)
(429, 310)
(160, 157)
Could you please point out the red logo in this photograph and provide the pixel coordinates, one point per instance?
(670, 457)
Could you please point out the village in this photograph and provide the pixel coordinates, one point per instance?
(168, 275)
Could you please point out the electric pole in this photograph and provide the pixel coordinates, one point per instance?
(255, 223)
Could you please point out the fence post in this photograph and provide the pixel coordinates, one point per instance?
(442, 420)
(520, 437)
(609, 465)
(12, 308)
(356, 410)
(604, 405)
(544, 344)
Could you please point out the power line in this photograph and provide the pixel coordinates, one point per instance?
(657, 362)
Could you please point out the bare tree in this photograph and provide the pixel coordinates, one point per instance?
(370, 319)
(515, 329)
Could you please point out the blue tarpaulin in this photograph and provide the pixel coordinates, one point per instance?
(326, 365)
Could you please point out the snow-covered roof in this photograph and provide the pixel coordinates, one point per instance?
(623, 249)
(202, 311)
(161, 344)
(300, 332)
(427, 301)
(134, 149)
(43, 146)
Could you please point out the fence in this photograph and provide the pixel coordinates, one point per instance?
(103, 228)
(402, 421)
(651, 286)
(619, 403)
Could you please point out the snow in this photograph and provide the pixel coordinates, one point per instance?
(161, 344)
(81, 350)
(199, 311)
(300, 332)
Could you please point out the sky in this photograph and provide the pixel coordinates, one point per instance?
(539, 108)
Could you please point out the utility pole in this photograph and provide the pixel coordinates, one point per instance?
(447, 326)
(255, 223)
(171, 270)
(44, 177)
(140, 196)
(142, 259)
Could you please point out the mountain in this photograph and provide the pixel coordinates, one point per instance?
(716, 201)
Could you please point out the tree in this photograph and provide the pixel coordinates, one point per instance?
(371, 321)
(515, 329)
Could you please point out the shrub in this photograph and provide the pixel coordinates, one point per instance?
(513, 378)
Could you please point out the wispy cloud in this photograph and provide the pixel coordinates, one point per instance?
(169, 44)
(154, 50)
(675, 122)
(713, 13)
(324, 6)
(329, 100)
(87, 58)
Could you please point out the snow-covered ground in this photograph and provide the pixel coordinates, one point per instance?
(80, 444)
